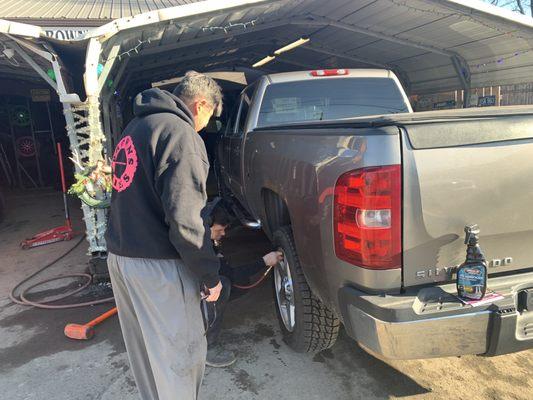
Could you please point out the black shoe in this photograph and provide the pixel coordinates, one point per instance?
(219, 358)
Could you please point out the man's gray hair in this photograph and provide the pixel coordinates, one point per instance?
(194, 85)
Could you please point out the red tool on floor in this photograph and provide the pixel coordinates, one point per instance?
(60, 233)
(84, 332)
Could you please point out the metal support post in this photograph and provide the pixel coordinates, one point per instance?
(463, 73)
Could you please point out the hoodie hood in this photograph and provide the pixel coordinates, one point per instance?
(154, 101)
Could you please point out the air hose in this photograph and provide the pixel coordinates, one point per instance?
(22, 300)
(257, 283)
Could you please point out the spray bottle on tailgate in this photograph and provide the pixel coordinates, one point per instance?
(472, 274)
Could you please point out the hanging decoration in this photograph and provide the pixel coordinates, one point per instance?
(51, 73)
(26, 146)
(20, 116)
(93, 184)
(93, 181)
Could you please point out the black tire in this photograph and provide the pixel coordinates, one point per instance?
(315, 327)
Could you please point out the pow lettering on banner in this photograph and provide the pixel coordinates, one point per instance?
(124, 164)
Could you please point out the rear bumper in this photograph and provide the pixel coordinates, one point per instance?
(433, 323)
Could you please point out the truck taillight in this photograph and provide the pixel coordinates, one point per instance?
(367, 217)
(329, 72)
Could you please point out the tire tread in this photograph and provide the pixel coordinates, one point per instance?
(320, 326)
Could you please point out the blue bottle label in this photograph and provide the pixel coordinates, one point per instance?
(471, 282)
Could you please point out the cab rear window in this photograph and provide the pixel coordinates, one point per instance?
(329, 99)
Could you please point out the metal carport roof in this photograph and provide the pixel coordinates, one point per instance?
(433, 45)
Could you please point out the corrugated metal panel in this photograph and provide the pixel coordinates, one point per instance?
(81, 10)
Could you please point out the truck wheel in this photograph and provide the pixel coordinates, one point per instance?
(307, 325)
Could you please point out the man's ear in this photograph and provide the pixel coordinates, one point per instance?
(203, 103)
(194, 108)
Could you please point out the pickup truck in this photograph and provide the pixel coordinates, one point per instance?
(369, 201)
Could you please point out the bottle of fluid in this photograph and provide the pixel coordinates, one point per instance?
(472, 274)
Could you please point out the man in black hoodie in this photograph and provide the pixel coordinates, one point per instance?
(160, 255)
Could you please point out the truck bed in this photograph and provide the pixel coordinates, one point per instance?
(459, 167)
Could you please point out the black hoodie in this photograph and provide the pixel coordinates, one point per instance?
(160, 169)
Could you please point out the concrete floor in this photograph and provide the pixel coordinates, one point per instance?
(38, 362)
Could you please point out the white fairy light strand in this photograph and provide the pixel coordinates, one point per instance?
(231, 25)
(127, 53)
(226, 28)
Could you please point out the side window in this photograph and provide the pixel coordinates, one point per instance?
(245, 100)
(243, 115)
(231, 116)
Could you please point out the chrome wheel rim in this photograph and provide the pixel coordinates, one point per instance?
(285, 294)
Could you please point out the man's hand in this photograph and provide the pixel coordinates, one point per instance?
(214, 292)
(273, 258)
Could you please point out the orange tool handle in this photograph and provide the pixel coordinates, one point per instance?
(102, 317)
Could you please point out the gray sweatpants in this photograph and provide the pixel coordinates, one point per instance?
(158, 305)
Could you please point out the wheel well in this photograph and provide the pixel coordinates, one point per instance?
(276, 211)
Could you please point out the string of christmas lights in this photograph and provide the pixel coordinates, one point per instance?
(231, 25)
(128, 52)
(501, 60)
(225, 28)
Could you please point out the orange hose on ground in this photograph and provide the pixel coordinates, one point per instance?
(257, 283)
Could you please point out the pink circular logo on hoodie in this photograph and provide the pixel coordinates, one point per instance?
(124, 164)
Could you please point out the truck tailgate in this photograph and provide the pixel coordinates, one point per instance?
(464, 172)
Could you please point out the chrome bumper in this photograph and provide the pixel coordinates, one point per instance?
(432, 322)
(428, 338)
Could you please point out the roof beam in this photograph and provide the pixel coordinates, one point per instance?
(34, 65)
(108, 66)
(118, 77)
(32, 47)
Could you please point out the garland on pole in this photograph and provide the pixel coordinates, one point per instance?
(93, 185)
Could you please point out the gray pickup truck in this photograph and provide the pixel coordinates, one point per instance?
(368, 201)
